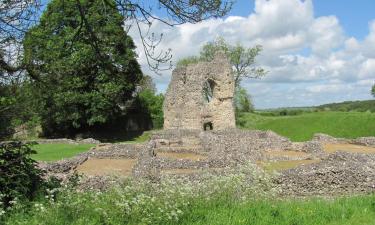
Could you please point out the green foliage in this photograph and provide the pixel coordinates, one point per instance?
(188, 60)
(20, 178)
(85, 66)
(284, 112)
(57, 151)
(144, 137)
(373, 90)
(142, 202)
(242, 59)
(18, 108)
(154, 105)
(242, 101)
(7, 102)
(223, 200)
(348, 106)
(303, 127)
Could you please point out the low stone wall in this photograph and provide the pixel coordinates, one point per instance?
(336, 173)
(339, 173)
(68, 141)
(367, 141)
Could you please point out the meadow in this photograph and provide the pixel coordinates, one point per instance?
(222, 200)
(302, 127)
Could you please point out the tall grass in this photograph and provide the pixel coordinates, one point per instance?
(242, 198)
(302, 127)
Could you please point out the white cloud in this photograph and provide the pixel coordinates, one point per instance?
(326, 34)
(367, 69)
(309, 59)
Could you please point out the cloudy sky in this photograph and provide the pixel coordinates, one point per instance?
(316, 52)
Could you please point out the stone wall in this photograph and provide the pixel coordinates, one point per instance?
(185, 106)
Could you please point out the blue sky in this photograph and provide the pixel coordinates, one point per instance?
(353, 15)
(316, 51)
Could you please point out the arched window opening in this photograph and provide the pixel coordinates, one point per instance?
(208, 126)
(208, 90)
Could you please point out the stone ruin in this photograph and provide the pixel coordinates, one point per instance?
(200, 137)
(200, 96)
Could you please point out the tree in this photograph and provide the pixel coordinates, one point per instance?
(16, 16)
(147, 84)
(242, 101)
(85, 76)
(153, 104)
(373, 90)
(177, 11)
(242, 59)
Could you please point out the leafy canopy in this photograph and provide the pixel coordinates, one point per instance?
(242, 59)
(84, 62)
(242, 101)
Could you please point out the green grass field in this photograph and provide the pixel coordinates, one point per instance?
(57, 151)
(302, 127)
(342, 211)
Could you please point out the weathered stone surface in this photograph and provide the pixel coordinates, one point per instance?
(185, 106)
(68, 141)
(89, 141)
(339, 173)
(367, 141)
(65, 165)
(313, 147)
(226, 150)
(325, 138)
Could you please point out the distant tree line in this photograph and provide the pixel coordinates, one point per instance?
(349, 106)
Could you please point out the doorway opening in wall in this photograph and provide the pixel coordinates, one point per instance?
(208, 126)
(208, 90)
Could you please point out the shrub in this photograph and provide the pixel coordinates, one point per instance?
(20, 178)
(153, 104)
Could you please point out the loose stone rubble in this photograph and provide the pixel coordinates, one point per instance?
(339, 173)
(367, 141)
(196, 152)
(68, 141)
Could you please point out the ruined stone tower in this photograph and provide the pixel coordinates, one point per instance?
(200, 96)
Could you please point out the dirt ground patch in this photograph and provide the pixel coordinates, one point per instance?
(330, 148)
(174, 155)
(284, 165)
(100, 167)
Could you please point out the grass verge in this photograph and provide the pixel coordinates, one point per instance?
(232, 199)
(57, 151)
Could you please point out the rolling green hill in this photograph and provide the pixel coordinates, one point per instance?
(358, 106)
(302, 127)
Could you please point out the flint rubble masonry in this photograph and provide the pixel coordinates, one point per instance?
(200, 96)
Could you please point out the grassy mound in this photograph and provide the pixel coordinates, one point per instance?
(302, 127)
